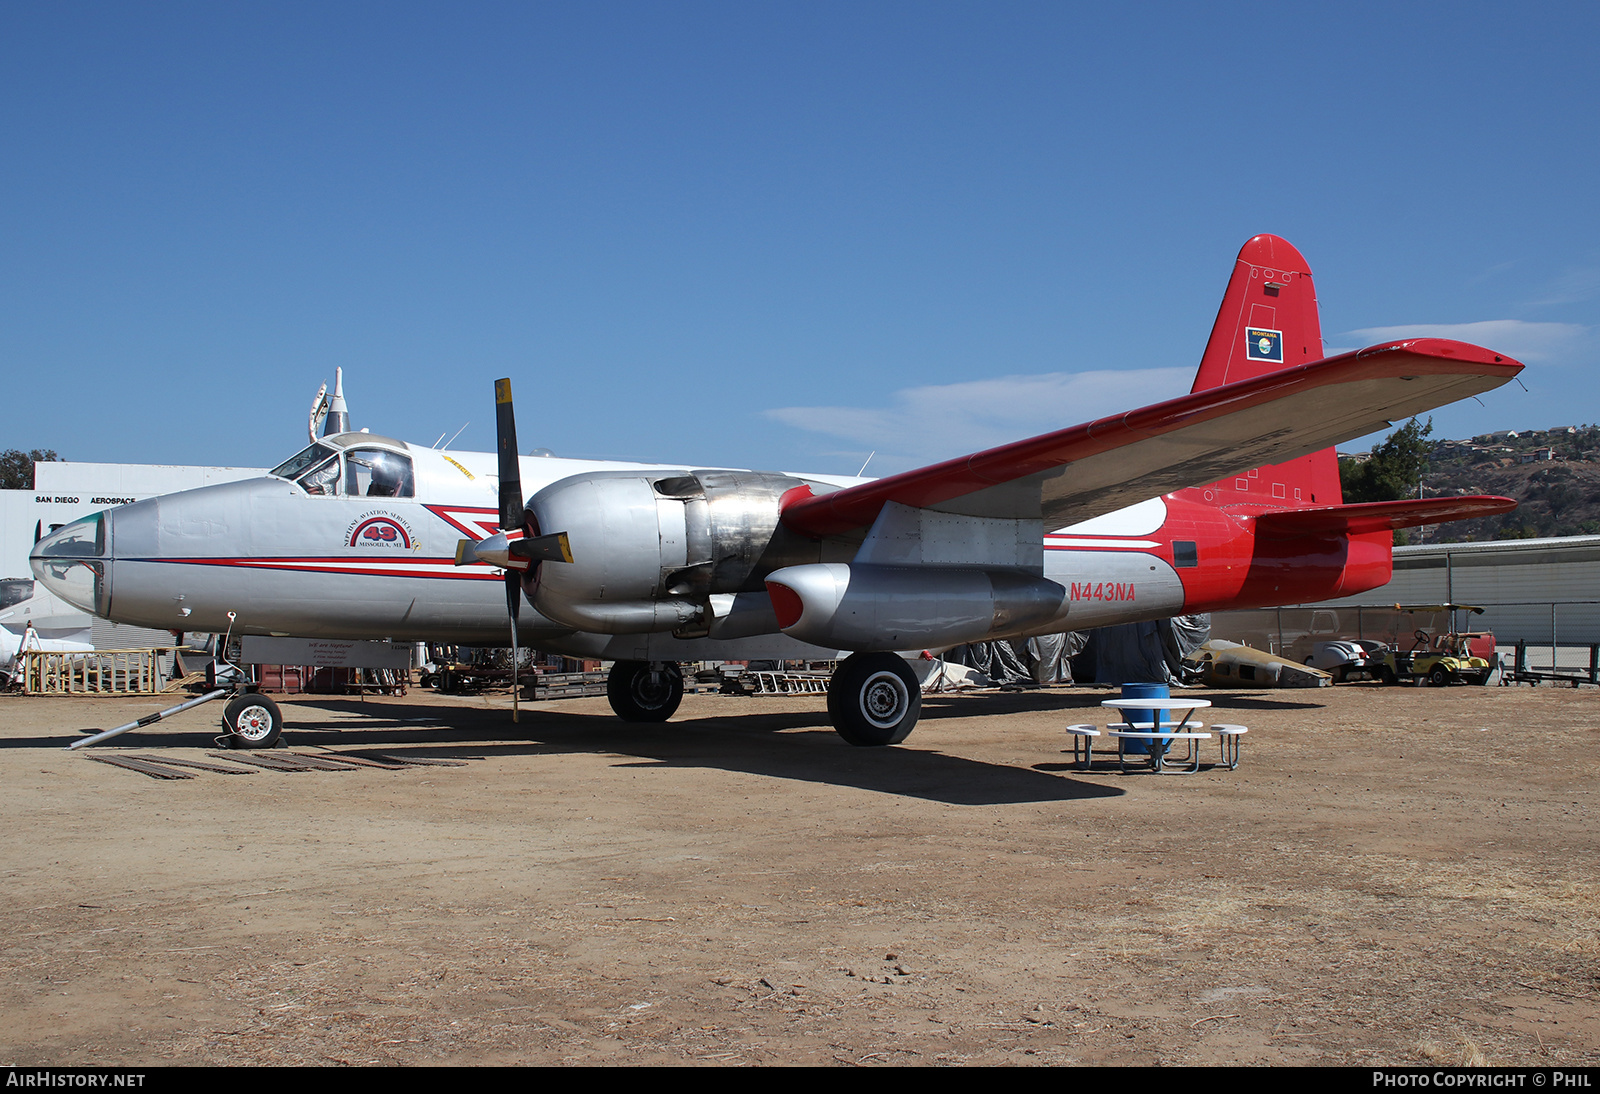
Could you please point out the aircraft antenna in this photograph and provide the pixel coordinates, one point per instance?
(338, 416)
(453, 437)
(866, 461)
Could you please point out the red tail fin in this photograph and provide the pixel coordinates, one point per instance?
(1268, 322)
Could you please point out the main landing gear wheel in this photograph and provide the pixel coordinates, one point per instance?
(252, 721)
(874, 699)
(645, 691)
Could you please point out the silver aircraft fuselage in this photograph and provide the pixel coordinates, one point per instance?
(288, 561)
(287, 556)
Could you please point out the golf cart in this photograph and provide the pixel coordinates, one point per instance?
(1444, 658)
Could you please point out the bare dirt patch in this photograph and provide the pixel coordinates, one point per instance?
(1392, 876)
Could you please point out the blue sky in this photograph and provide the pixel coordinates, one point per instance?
(754, 234)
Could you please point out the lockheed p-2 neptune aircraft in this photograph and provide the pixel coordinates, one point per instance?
(1227, 497)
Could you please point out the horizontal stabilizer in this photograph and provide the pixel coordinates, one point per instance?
(1377, 516)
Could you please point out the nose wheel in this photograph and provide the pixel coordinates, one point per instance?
(252, 721)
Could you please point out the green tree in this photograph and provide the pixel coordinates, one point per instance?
(1394, 469)
(16, 468)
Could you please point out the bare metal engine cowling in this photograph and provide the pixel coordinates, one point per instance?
(650, 550)
(876, 607)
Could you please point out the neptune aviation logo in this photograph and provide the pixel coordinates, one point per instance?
(379, 531)
(1263, 345)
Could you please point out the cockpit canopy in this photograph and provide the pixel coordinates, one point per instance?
(357, 465)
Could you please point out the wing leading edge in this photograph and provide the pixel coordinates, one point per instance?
(1088, 470)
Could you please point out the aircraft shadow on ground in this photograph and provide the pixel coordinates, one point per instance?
(756, 743)
(1255, 700)
(970, 704)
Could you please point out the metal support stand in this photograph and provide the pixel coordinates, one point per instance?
(149, 719)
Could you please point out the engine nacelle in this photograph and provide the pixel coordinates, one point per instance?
(874, 607)
(649, 550)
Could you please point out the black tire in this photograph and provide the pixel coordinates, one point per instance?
(252, 721)
(1439, 677)
(639, 694)
(874, 699)
(1387, 677)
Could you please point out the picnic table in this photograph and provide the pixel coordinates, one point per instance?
(1182, 729)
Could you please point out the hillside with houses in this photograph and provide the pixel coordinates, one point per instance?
(1553, 473)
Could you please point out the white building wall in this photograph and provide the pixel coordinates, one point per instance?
(65, 491)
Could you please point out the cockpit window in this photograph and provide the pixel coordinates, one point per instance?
(68, 561)
(322, 479)
(316, 469)
(300, 461)
(83, 538)
(367, 472)
(376, 473)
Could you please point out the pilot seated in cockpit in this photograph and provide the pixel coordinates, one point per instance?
(324, 480)
(385, 478)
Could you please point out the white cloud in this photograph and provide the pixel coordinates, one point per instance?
(1529, 342)
(920, 425)
(1571, 287)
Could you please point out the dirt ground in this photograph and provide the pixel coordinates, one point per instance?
(1391, 876)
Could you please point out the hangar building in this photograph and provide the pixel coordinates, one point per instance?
(1545, 592)
(62, 493)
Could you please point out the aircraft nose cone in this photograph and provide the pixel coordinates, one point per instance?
(74, 562)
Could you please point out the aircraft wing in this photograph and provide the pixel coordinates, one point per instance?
(1088, 470)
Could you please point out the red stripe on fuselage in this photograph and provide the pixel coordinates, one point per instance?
(312, 564)
(483, 529)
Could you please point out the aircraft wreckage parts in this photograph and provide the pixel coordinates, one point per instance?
(252, 721)
(874, 699)
(645, 691)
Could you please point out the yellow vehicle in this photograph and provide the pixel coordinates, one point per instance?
(1449, 657)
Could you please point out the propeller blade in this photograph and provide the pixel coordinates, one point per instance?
(498, 549)
(551, 548)
(514, 607)
(513, 598)
(505, 427)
